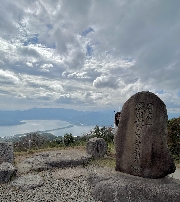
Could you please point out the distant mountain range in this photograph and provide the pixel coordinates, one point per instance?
(101, 118)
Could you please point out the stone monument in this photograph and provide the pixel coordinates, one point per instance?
(141, 138)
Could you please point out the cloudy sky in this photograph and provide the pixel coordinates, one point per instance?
(88, 54)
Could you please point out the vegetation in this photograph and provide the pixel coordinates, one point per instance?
(68, 139)
(34, 142)
(45, 142)
(30, 141)
(107, 161)
(174, 138)
(103, 132)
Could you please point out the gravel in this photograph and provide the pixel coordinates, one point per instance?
(57, 187)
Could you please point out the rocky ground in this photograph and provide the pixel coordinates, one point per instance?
(38, 180)
(68, 184)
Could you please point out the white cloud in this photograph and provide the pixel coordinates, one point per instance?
(95, 53)
(56, 87)
(1, 62)
(29, 64)
(106, 82)
(7, 76)
(20, 95)
(45, 67)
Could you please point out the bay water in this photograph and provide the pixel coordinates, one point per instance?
(56, 127)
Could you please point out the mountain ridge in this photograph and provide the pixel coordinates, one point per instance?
(105, 118)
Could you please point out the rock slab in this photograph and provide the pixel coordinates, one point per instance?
(96, 147)
(56, 159)
(121, 187)
(141, 138)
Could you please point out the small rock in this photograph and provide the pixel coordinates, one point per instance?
(7, 170)
(6, 152)
(97, 147)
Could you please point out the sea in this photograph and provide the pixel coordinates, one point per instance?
(55, 127)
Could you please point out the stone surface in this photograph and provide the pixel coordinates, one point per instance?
(97, 147)
(141, 139)
(6, 152)
(58, 159)
(176, 174)
(28, 182)
(109, 186)
(53, 190)
(69, 173)
(7, 170)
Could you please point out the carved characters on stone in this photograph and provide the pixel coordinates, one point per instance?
(140, 142)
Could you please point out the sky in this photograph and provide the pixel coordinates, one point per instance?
(88, 54)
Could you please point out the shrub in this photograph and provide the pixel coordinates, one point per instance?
(29, 141)
(68, 139)
(174, 136)
(103, 132)
(34, 140)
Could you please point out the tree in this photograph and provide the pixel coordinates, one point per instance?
(174, 136)
(68, 139)
(103, 132)
(31, 140)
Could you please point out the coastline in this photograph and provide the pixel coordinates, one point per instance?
(55, 127)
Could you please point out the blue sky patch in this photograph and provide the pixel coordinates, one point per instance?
(49, 26)
(32, 40)
(160, 91)
(89, 50)
(87, 31)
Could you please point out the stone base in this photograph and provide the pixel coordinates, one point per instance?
(117, 186)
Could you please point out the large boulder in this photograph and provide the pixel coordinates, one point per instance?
(7, 170)
(141, 138)
(108, 186)
(97, 147)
